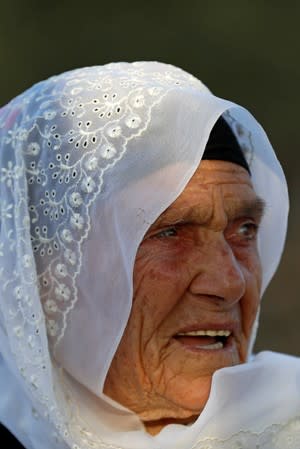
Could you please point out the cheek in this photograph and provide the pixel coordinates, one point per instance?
(249, 304)
(249, 261)
(159, 280)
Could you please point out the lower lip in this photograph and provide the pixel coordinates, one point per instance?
(227, 346)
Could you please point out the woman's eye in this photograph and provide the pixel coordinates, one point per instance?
(248, 231)
(168, 232)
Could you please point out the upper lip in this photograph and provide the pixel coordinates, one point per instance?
(225, 326)
(208, 332)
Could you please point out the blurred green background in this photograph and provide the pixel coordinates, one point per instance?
(246, 51)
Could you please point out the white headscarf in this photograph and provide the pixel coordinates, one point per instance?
(88, 161)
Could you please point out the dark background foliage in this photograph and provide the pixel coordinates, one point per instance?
(246, 51)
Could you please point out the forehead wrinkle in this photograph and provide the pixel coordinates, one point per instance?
(194, 212)
(176, 214)
(228, 210)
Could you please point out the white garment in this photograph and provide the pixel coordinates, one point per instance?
(89, 160)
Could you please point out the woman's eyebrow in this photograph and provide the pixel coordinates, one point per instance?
(248, 208)
(172, 217)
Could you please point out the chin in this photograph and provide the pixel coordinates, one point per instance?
(190, 397)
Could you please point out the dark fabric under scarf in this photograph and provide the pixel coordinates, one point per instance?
(222, 145)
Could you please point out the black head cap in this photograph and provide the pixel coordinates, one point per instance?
(223, 145)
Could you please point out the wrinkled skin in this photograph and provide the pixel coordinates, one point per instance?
(198, 266)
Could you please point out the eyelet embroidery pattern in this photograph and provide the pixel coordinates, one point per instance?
(80, 128)
(57, 141)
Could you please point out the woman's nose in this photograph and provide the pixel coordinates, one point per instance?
(217, 272)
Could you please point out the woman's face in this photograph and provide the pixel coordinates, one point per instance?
(197, 279)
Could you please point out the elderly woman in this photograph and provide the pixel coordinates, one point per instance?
(141, 220)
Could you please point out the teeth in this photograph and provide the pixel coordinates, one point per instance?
(210, 333)
(218, 345)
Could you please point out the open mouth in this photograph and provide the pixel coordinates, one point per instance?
(204, 339)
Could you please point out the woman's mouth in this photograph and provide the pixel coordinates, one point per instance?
(204, 339)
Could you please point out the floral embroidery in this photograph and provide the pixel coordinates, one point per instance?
(108, 151)
(10, 173)
(75, 199)
(6, 211)
(77, 221)
(51, 306)
(57, 141)
(52, 327)
(62, 292)
(33, 148)
(61, 270)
